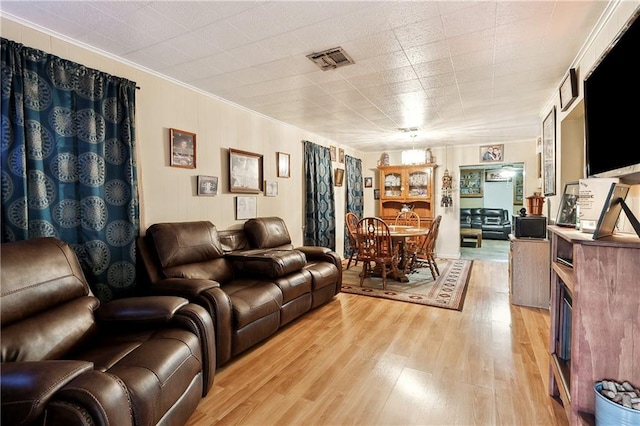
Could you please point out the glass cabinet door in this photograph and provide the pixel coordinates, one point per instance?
(418, 183)
(392, 182)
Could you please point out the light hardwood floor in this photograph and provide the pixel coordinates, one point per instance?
(368, 361)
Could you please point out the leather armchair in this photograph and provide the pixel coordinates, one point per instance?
(69, 359)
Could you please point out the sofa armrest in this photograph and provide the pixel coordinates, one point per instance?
(140, 310)
(212, 298)
(317, 254)
(27, 387)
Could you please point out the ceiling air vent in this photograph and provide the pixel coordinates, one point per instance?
(331, 59)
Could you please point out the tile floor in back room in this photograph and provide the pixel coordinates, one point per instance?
(491, 250)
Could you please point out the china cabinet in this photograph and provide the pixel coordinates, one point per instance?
(471, 183)
(408, 188)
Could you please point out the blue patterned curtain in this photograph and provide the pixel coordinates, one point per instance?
(68, 163)
(354, 194)
(320, 210)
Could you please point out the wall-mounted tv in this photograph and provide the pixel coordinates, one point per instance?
(612, 108)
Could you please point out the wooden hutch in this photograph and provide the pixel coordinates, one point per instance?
(410, 187)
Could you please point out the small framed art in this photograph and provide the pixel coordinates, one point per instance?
(332, 153)
(183, 149)
(246, 207)
(491, 153)
(368, 182)
(376, 194)
(284, 164)
(341, 155)
(568, 90)
(245, 171)
(494, 176)
(549, 153)
(207, 185)
(339, 177)
(270, 188)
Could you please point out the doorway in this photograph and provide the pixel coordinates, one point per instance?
(491, 186)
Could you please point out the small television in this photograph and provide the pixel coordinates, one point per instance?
(612, 108)
(530, 226)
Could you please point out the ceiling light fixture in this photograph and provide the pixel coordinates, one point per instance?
(413, 155)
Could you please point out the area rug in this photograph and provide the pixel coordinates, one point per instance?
(447, 291)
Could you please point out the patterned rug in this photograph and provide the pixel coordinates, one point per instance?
(447, 291)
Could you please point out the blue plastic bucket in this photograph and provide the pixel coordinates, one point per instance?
(609, 413)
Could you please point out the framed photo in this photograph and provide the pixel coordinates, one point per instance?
(549, 153)
(245, 172)
(246, 207)
(568, 90)
(368, 182)
(491, 153)
(183, 149)
(339, 176)
(284, 164)
(341, 155)
(376, 194)
(332, 153)
(494, 176)
(568, 205)
(271, 188)
(207, 185)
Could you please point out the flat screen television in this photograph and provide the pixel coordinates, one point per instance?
(612, 108)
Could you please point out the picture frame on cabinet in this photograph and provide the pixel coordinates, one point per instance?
(567, 213)
(183, 149)
(245, 172)
(549, 153)
(207, 185)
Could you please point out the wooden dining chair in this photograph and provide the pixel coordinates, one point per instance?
(410, 218)
(351, 219)
(375, 249)
(426, 255)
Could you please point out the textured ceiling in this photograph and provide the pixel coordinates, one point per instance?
(463, 72)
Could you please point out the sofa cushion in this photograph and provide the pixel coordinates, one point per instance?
(185, 242)
(267, 232)
(253, 300)
(492, 220)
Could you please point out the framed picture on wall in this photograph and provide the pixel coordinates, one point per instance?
(271, 188)
(183, 149)
(549, 153)
(207, 185)
(246, 207)
(284, 162)
(368, 182)
(339, 177)
(245, 171)
(491, 153)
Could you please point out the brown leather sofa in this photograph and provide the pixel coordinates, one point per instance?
(252, 280)
(68, 359)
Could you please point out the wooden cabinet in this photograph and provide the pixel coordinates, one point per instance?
(529, 283)
(471, 183)
(407, 186)
(595, 326)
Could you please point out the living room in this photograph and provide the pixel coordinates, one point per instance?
(169, 194)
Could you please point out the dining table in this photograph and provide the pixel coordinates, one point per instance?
(399, 235)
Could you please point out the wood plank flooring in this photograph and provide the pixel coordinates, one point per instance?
(368, 361)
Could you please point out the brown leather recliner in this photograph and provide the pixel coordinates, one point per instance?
(67, 359)
(253, 283)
